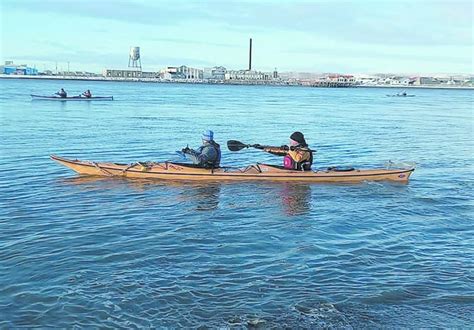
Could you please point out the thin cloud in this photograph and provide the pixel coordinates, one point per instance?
(387, 52)
(166, 13)
(400, 23)
(194, 42)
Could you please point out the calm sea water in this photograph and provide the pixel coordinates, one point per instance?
(91, 252)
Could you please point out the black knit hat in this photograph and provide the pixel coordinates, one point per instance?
(298, 137)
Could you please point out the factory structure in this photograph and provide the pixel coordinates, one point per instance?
(134, 69)
(185, 73)
(249, 74)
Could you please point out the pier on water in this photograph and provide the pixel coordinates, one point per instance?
(335, 84)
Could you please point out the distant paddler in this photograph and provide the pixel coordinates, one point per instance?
(87, 94)
(62, 93)
(206, 156)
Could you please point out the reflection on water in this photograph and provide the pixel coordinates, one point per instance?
(82, 179)
(295, 198)
(204, 196)
(86, 182)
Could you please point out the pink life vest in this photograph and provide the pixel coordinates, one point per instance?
(288, 162)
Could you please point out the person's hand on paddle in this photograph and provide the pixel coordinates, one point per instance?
(186, 150)
(258, 146)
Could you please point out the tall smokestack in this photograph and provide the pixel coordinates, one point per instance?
(250, 55)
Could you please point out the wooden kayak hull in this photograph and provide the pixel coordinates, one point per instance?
(72, 98)
(257, 172)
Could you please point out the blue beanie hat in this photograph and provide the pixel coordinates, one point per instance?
(208, 135)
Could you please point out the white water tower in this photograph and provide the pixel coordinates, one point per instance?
(134, 58)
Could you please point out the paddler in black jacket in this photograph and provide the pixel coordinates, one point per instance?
(87, 94)
(297, 155)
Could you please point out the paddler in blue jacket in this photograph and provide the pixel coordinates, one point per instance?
(208, 155)
(62, 93)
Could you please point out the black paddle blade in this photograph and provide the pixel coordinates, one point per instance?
(234, 145)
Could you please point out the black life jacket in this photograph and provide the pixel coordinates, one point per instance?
(214, 163)
(306, 164)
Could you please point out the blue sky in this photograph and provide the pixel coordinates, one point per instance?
(309, 36)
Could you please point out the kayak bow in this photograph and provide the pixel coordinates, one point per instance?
(257, 172)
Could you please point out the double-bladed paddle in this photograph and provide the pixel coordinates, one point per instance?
(234, 145)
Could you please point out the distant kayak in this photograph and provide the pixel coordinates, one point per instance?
(255, 172)
(72, 98)
(401, 95)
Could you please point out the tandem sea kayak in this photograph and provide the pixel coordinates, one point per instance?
(72, 98)
(257, 172)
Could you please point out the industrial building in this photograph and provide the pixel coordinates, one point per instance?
(181, 72)
(121, 73)
(190, 73)
(214, 73)
(13, 69)
(247, 75)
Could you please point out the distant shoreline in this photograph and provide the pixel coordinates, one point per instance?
(240, 83)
